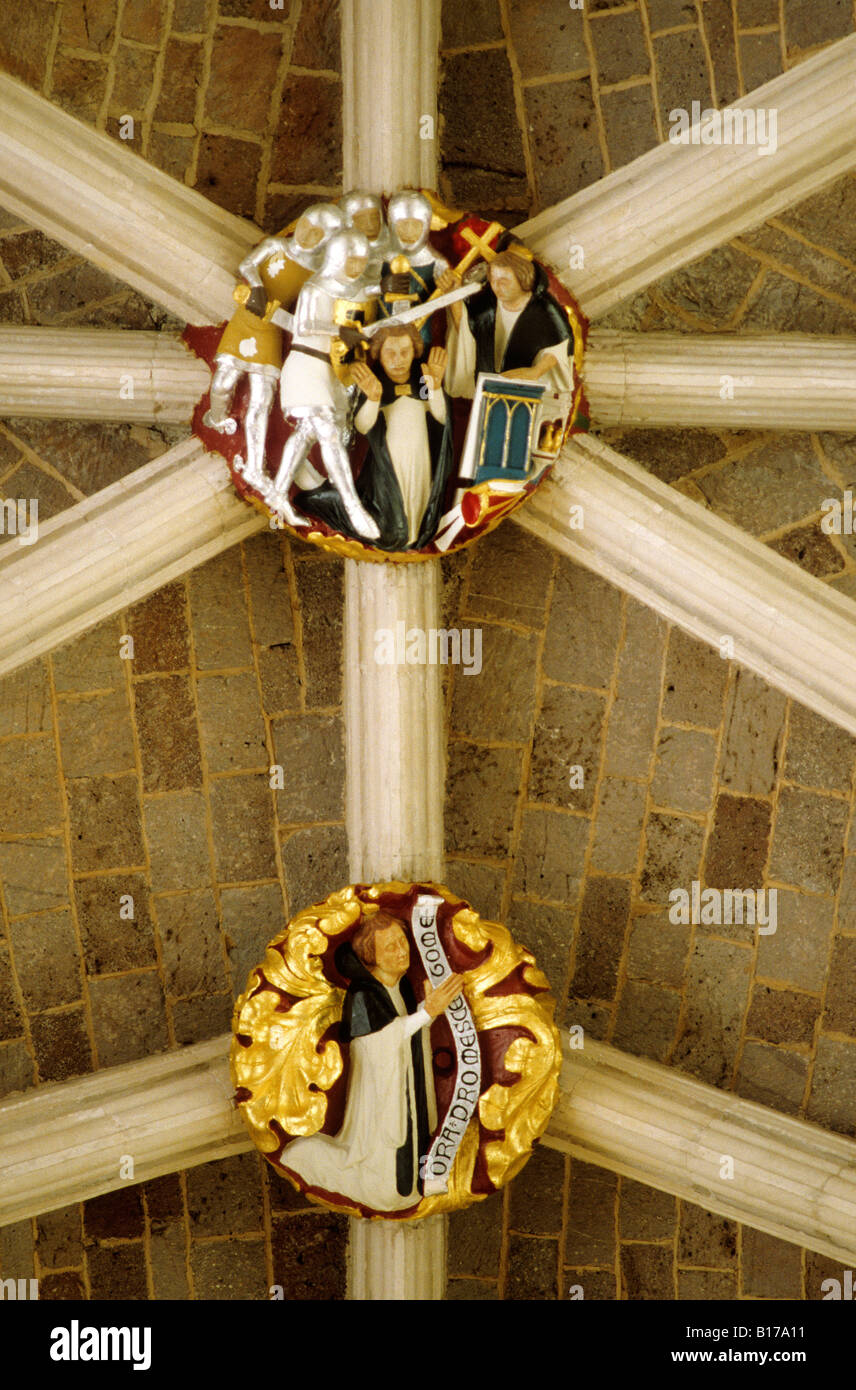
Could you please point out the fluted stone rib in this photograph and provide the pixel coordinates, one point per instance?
(113, 549)
(700, 572)
(678, 202)
(394, 717)
(98, 374)
(96, 197)
(789, 381)
(651, 1123)
(65, 1143)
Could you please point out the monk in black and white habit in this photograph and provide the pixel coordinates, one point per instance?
(513, 327)
(391, 1110)
(406, 416)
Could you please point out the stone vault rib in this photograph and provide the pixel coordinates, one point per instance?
(675, 203)
(702, 573)
(790, 381)
(96, 197)
(65, 1143)
(99, 374)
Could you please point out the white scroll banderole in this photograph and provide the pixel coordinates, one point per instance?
(437, 1164)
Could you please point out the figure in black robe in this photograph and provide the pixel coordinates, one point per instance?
(542, 324)
(377, 485)
(367, 1009)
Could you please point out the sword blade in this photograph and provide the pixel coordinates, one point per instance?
(424, 310)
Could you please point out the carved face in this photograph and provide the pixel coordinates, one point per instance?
(308, 234)
(409, 230)
(396, 356)
(505, 284)
(368, 222)
(354, 266)
(392, 952)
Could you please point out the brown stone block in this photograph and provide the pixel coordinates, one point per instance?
(807, 24)
(309, 1256)
(16, 1067)
(760, 59)
(583, 628)
(784, 306)
(279, 674)
(620, 47)
(177, 834)
(644, 1213)
(478, 22)
(35, 485)
(164, 1201)
(33, 875)
(696, 677)
(717, 991)
(482, 788)
(270, 596)
(647, 1020)
(594, 1019)
(594, 1285)
(205, 1016)
(132, 85)
(88, 24)
(752, 14)
(819, 1268)
(191, 944)
(59, 1239)
(475, 1239)
(696, 1285)
(316, 42)
(706, 1239)
(91, 662)
(668, 14)
(11, 1016)
(129, 1017)
(832, 1102)
(618, 827)
(114, 1215)
(830, 218)
(244, 65)
(142, 21)
(320, 594)
(509, 578)
(29, 791)
(182, 74)
(498, 700)
(305, 744)
(713, 287)
(566, 152)
(168, 1262)
(629, 123)
(840, 1012)
(172, 153)
(772, 1268)
(682, 75)
(600, 941)
(61, 1045)
(225, 1197)
(483, 885)
(647, 1272)
(232, 726)
(718, 16)
(808, 840)
(88, 456)
(255, 9)
(683, 772)
(477, 107)
(62, 1286)
(548, 37)
(798, 951)
(807, 546)
(668, 454)
(113, 941)
(25, 38)
(782, 1016)
(47, 961)
(568, 734)
(672, 852)
(818, 753)
(772, 1076)
(592, 1197)
(251, 917)
(78, 85)
(547, 932)
(658, 949)
(158, 626)
(470, 1290)
(532, 1269)
(737, 849)
(536, 1194)
(754, 729)
(28, 251)
(307, 145)
(312, 861)
(95, 735)
(284, 1197)
(168, 734)
(117, 1272)
(12, 309)
(218, 609)
(242, 823)
(551, 855)
(228, 173)
(633, 717)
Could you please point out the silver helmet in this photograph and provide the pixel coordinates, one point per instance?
(408, 205)
(357, 201)
(342, 247)
(326, 218)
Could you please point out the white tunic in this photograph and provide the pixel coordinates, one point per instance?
(461, 347)
(360, 1161)
(409, 450)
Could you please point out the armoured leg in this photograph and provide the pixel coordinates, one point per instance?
(297, 446)
(338, 467)
(262, 390)
(223, 383)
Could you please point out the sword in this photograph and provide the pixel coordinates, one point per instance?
(418, 311)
